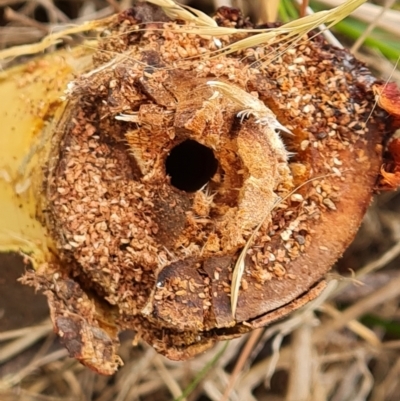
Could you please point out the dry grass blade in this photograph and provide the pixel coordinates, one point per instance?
(265, 10)
(240, 263)
(17, 346)
(248, 105)
(388, 385)
(215, 357)
(237, 273)
(264, 370)
(243, 358)
(12, 15)
(176, 11)
(206, 25)
(53, 12)
(297, 28)
(11, 334)
(238, 269)
(370, 12)
(329, 36)
(114, 4)
(133, 375)
(371, 26)
(4, 3)
(256, 375)
(49, 40)
(380, 296)
(290, 32)
(168, 378)
(23, 395)
(300, 380)
(10, 381)
(355, 326)
(346, 389)
(279, 357)
(374, 265)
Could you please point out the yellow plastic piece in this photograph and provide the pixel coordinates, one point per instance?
(30, 107)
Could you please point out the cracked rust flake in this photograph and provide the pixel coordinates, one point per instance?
(159, 184)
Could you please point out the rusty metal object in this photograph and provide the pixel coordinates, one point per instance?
(157, 184)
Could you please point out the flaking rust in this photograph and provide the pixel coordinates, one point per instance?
(157, 184)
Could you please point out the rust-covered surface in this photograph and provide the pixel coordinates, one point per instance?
(158, 185)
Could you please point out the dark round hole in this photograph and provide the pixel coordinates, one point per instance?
(190, 165)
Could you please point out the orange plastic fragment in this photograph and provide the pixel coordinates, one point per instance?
(391, 171)
(388, 98)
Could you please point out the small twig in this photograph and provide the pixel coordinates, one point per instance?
(387, 385)
(346, 389)
(278, 357)
(167, 377)
(303, 8)
(241, 362)
(4, 3)
(53, 13)
(394, 344)
(11, 334)
(265, 10)
(382, 295)
(202, 373)
(134, 374)
(336, 357)
(382, 261)
(73, 384)
(299, 387)
(355, 326)
(388, 4)
(282, 330)
(10, 381)
(256, 375)
(365, 286)
(368, 12)
(23, 395)
(368, 380)
(213, 386)
(329, 36)
(115, 6)
(103, 13)
(17, 346)
(17, 35)
(12, 15)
